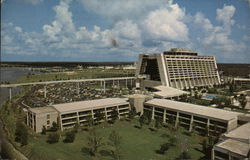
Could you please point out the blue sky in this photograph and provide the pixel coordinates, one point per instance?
(119, 30)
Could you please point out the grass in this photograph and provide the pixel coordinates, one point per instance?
(86, 73)
(137, 144)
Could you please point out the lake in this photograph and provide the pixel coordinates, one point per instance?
(12, 74)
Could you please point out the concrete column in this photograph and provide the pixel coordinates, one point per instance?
(60, 121)
(10, 93)
(113, 82)
(208, 123)
(92, 113)
(212, 154)
(106, 114)
(153, 113)
(45, 91)
(32, 120)
(164, 116)
(177, 119)
(131, 83)
(229, 156)
(101, 83)
(77, 88)
(126, 82)
(104, 86)
(118, 112)
(78, 119)
(118, 84)
(191, 123)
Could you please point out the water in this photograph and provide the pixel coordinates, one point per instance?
(11, 74)
(208, 97)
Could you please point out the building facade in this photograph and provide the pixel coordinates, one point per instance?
(178, 68)
(234, 145)
(207, 120)
(67, 115)
(41, 116)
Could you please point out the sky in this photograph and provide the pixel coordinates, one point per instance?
(120, 30)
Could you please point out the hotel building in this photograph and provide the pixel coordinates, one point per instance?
(178, 68)
(67, 115)
(203, 119)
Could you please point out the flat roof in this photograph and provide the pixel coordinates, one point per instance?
(242, 79)
(235, 146)
(167, 92)
(41, 110)
(242, 132)
(194, 109)
(82, 105)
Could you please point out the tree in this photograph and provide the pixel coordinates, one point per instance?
(143, 120)
(115, 141)
(54, 127)
(76, 127)
(70, 137)
(148, 115)
(164, 147)
(21, 134)
(243, 101)
(114, 115)
(132, 113)
(158, 123)
(94, 142)
(53, 137)
(43, 130)
(99, 116)
(184, 98)
(90, 122)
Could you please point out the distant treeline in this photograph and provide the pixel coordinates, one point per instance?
(229, 69)
(64, 64)
(234, 69)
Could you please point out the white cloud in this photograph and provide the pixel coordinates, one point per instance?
(137, 27)
(218, 37)
(63, 24)
(167, 24)
(18, 29)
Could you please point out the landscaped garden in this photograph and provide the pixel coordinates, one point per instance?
(135, 143)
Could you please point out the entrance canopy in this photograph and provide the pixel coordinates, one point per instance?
(168, 92)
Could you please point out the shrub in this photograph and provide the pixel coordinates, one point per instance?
(53, 138)
(163, 149)
(70, 137)
(21, 134)
(54, 127)
(43, 130)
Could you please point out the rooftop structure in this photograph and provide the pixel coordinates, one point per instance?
(203, 111)
(40, 117)
(67, 115)
(206, 120)
(89, 104)
(41, 110)
(168, 92)
(178, 68)
(234, 145)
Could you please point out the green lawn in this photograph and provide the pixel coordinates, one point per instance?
(137, 144)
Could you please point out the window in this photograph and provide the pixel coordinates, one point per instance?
(48, 121)
(48, 116)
